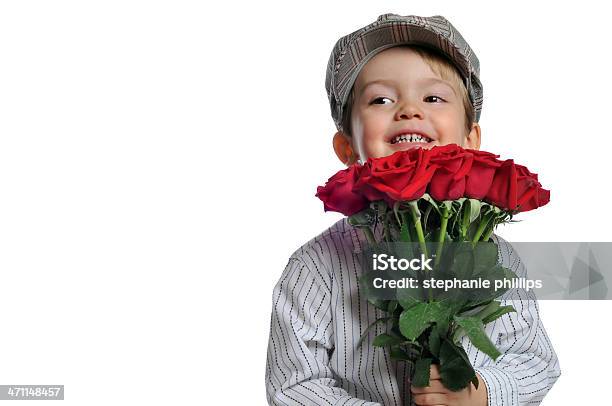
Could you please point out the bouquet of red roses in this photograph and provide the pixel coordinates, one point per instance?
(445, 203)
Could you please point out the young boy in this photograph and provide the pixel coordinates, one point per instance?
(398, 83)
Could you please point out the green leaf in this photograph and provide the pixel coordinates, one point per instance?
(367, 330)
(456, 372)
(422, 372)
(398, 353)
(379, 303)
(497, 314)
(432, 235)
(474, 206)
(460, 351)
(434, 341)
(485, 257)
(473, 309)
(451, 307)
(426, 216)
(408, 297)
(462, 265)
(427, 197)
(364, 218)
(457, 334)
(472, 229)
(485, 310)
(459, 202)
(396, 206)
(474, 329)
(413, 205)
(495, 273)
(385, 339)
(417, 318)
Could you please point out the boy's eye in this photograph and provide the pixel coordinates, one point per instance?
(436, 97)
(379, 98)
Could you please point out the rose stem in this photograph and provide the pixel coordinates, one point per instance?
(481, 227)
(487, 235)
(416, 217)
(465, 219)
(442, 235)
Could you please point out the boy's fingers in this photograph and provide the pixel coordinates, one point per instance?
(435, 386)
(431, 399)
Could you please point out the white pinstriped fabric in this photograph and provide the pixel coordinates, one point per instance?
(318, 316)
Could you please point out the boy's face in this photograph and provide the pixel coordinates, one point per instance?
(397, 92)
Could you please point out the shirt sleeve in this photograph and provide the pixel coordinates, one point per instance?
(301, 340)
(528, 366)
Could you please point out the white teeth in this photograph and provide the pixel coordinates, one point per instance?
(410, 138)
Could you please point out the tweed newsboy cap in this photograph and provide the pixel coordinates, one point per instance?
(353, 51)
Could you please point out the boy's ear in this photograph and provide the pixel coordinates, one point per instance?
(344, 148)
(472, 140)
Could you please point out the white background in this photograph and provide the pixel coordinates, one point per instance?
(158, 164)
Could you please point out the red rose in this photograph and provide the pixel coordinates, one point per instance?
(453, 164)
(515, 188)
(530, 194)
(337, 194)
(447, 172)
(479, 179)
(403, 175)
(502, 192)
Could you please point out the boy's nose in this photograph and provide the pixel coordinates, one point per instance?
(408, 110)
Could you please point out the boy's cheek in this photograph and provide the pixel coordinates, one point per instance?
(378, 150)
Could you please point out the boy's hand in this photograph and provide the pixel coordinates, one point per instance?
(437, 394)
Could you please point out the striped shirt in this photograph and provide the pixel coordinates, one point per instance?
(318, 316)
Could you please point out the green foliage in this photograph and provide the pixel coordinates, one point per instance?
(370, 327)
(424, 327)
(435, 340)
(422, 372)
(456, 372)
(365, 218)
(497, 314)
(408, 298)
(418, 318)
(383, 340)
(474, 329)
(398, 353)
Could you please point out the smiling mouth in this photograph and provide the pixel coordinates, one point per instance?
(408, 138)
